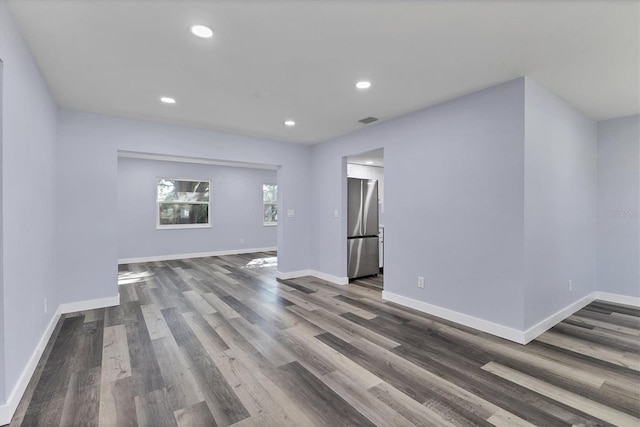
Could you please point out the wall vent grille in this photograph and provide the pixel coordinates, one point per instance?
(368, 120)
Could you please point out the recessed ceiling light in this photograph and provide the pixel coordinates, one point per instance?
(369, 162)
(289, 123)
(167, 100)
(363, 85)
(202, 31)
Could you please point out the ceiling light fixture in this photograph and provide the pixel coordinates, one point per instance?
(369, 162)
(289, 123)
(167, 100)
(363, 85)
(202, 31)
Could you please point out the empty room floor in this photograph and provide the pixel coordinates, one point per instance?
(219, 341)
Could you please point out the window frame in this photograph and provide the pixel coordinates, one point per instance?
(160, 226)
(265, 203)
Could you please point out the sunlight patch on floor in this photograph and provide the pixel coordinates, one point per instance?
(262, 262)
(130, 277)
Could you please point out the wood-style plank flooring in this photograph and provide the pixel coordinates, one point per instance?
(218, 341)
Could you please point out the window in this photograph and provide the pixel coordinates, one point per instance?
(182, 203)
(270, 204)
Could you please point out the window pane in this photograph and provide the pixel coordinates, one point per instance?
(183, 213)
(270, 213)
(174, 190)
(270, 193)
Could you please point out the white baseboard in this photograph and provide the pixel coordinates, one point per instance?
(286, 275)
(9, 408)
(511, 334)
(496, 329)
(195, 255)
(330, 278)
(72, 307)
(618, 299)
(548, 323)
(320, 275)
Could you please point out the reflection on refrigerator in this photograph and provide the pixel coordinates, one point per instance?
(362, 227)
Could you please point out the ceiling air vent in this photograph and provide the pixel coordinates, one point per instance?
(368, 120)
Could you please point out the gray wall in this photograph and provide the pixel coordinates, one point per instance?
(454, 203)
(236, 209)
(618, 206)
(29, 203)
(88, 160)
(560, 176)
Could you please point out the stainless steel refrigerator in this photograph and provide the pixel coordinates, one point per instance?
(362, 227)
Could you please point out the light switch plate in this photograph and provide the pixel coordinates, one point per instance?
(336, 213)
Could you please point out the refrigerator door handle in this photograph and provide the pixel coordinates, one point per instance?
(361, 208)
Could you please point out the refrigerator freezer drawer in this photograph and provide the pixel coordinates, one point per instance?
(363, 257)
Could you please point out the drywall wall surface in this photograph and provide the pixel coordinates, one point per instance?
(454, 200)
(236, 209)
(560, 204)
(29, 132)
(88, 180)
(619, 206)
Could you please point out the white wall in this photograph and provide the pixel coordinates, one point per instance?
(29, 194)
(560, 204)
(88, 179)
(619, 206)
(453, 206)
(236, 210)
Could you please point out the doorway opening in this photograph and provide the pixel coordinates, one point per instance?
(365, 218)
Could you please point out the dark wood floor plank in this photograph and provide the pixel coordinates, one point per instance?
(323, 403)
(82, 403)
(294, 285)
(146, 374)
(244, 311)
(182, 333)
(152, 409)
(363, 401)
(365, 305)
(208, 337)
(221, 341)
(622, 343)
(627, 322)
(224, 404)
(181, 386)
(616, 308)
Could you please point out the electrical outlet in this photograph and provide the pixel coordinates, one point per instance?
(570, 285)
(421, 282)
(45, 306)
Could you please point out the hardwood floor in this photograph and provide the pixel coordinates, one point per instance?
(218, 341)
(371, 282)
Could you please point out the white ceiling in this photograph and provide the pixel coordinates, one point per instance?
(303, 58)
